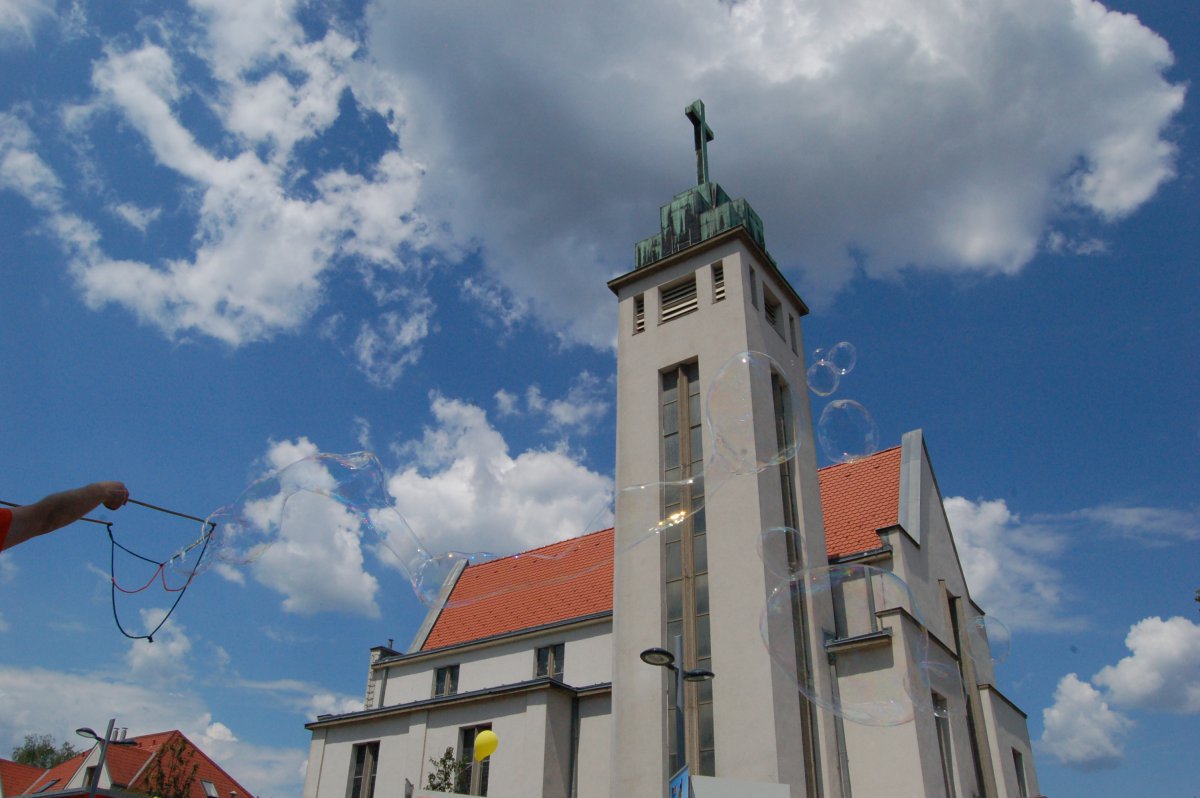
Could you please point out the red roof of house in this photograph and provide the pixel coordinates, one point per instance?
(128, 767)
(565, 580)
(15, 778)
(858, 498)
(527, 590)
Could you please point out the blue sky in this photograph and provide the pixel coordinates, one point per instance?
(239, 232)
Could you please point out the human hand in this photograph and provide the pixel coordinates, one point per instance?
(114, 494)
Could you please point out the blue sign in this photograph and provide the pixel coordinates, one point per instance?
(681, 784)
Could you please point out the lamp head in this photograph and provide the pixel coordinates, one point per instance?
(658, 656)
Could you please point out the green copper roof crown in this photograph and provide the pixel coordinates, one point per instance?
(701, 212)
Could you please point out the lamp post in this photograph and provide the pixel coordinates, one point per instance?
(88, 732)
(673, 661)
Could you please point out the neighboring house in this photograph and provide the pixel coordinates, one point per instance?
(129, 768)
(15, 778)
(544, 647)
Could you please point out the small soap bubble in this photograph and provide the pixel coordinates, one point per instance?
(842, 357)
(847, 431)
(863, 594)
(818, 354)
(989, 641)
(823, 378)
(729, 414)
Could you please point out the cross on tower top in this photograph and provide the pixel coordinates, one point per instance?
(702, 135)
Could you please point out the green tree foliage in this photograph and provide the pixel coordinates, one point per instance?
(447, 772)
(171, 773)
(40, 751)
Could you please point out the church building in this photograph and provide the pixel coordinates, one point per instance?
(817, 621)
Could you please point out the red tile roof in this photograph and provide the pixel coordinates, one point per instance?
(858, 498)
(15, 778)
(527, 590)
(564, 580)
(128, 767)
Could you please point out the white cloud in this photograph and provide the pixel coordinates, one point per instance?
(19, 19)
(385, 349)
(461, 489)
(1154, 526)
(586, 403)
(1009, 564)
(315, 557)
(134, 216)
(1163, 671)
(902, 132)
(1080, 730)
(167, 659)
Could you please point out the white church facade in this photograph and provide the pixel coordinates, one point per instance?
(544, 648)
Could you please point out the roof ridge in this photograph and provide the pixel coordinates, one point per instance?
(859, 460)
(575, 539)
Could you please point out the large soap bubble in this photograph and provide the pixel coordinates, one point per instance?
(842, 357)
(729, 416)
(847, 431)
(894, 686)
(989, 641)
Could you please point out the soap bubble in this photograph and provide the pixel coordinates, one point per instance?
(989, 641)
(729, 414)
(823, 378)
(774, 545)
(862, 594)
(847, 431)
(944, 679)
(842, 357)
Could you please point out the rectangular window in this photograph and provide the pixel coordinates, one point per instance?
(445, 680)
(210, 789)
(474, 778)
(685, 554)
(773, 312)
(1019, 762)
(718, 281)
(792, 331)
(550, 661)
(639, 314)
(678, 299)
(941, 718)
(362, 770)
(753, 289)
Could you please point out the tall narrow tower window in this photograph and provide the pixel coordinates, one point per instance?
(639, 314)
(753, 289)
(678, 299)
(685, 556)
(718, 281)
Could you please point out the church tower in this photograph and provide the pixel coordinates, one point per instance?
(689, 545)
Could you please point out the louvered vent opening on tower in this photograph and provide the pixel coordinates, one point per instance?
(678, 299)
(718, 281)
(639, 314)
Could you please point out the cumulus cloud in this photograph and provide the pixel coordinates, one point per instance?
(585, 404)
(269, 226)
(462, 490)
(884, 137)
(315, 558)
(1080, 730)
(167, 659)
(1009, 564)
(1163, 671)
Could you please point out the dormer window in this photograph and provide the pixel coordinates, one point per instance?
(677, 299)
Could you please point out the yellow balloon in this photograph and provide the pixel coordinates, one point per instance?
(485, 744)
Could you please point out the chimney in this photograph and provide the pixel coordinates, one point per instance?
(390, 641)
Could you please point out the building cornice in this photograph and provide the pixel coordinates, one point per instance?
(532, 685)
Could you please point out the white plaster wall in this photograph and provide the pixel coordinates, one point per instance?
(593, 775)
(1009, 730)
(587, 661)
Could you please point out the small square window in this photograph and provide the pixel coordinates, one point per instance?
(550, 661)
(210, 789)
(445, 680)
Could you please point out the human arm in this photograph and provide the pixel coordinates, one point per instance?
(59, 509)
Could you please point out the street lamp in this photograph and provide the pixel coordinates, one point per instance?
(88, 732)
(666, 659)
